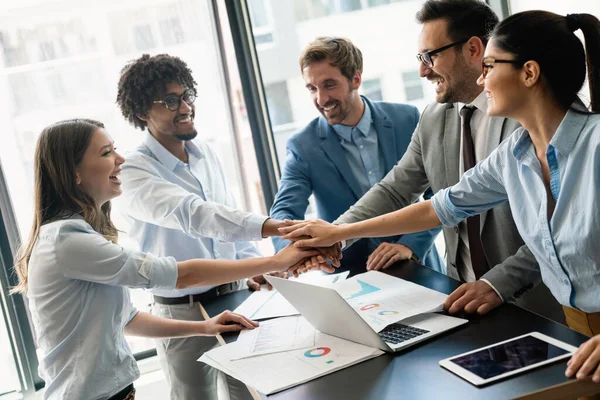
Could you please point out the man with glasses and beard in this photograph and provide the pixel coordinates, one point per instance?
(486, 252)
(176, 199)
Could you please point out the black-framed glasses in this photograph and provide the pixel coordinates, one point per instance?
(174, 102)
(426, 59)
(488, 63)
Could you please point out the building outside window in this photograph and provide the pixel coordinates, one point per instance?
(413, 86)
(261, 21)
(371, 88)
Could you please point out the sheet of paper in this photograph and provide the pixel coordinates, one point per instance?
(272, 373)
(276, 335)
(381, 299)
(266, 303)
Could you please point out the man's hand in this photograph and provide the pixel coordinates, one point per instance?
(255, 282)
(271, 227)
(387, 254)
(227, 322)
(320, 233)
(473, 297)
(585, 361)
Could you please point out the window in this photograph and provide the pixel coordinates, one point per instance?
(371, 88)
(413, 86)
(171, 31)
(261, 21)
(278, 102)
(384, 55)
(143, 37)
(556, 6)
(81, 80)
(10, 380)
(310, 9)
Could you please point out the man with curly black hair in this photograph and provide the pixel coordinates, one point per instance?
(177, 201)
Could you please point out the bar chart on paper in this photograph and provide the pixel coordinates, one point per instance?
(363, 290)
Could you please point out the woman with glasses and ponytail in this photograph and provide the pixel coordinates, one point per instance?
(548, 170)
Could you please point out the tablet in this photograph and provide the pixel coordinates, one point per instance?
(507, 358)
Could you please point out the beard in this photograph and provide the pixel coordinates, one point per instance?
(345, 107)
(464, 86)
(187, 136)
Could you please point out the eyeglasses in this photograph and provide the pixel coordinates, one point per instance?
(174, 102)
(486, 64)
(426, 59)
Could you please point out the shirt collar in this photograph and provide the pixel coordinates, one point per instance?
(363, 126)
(564, 138)
(480, 102)
(164, 156)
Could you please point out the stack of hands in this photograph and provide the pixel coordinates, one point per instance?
(325, 238)
(317, 245)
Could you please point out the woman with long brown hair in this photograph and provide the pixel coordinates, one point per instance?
(76, 276)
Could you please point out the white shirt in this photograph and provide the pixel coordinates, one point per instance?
(184, 210)
(80, 305)
(480, 122)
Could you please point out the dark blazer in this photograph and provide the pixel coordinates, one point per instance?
(316, 164)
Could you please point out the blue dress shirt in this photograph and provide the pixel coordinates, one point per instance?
(566, 246)
(184, 210)
(79, 307)
(360, 143)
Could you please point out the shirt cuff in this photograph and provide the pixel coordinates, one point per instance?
(492, 286)
(254, 225)
(163, 271)
(445, 210)
(343, 242)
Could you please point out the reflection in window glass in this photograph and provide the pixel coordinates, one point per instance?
(387, 50)
(59, 61)
(8, 371)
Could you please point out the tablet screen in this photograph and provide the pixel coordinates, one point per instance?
(507, 357)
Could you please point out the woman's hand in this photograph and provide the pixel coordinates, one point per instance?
(227, 322)
(585, 361)
(322, 234)
(291, 257)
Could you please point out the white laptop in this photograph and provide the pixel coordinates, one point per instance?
(329, 313)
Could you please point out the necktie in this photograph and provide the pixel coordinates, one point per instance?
(478, 260)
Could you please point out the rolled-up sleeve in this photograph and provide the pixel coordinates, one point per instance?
(84, 254)
(157, 201)
(479, 189)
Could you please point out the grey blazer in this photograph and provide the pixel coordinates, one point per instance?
(432, 160)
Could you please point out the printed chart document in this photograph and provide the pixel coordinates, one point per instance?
(272, 373)
(275, 336)
(266, 303)
(381, 299)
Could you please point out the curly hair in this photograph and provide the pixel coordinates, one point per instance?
(144, 80)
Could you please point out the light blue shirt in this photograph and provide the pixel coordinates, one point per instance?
(566, 247)
(360, 143)
(79, 306)
(184, 210)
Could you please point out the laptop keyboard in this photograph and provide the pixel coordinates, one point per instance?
(398, 333)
